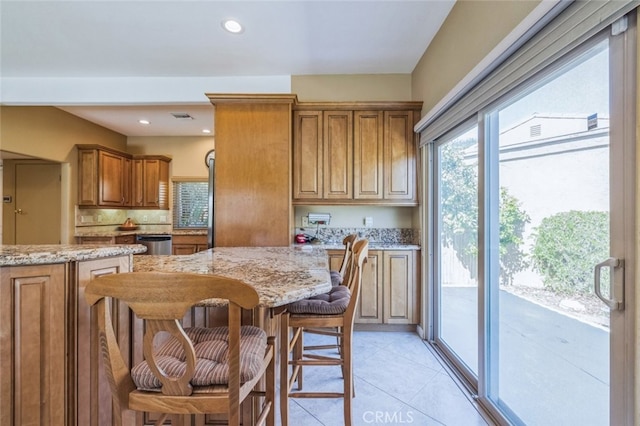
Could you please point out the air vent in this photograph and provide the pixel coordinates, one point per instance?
(535, 130)
(181, 116)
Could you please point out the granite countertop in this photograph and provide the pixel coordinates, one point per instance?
(143, 230)
(19, 255)
(280, 275)
(372, 246)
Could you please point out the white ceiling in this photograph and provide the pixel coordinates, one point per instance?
(101, 60)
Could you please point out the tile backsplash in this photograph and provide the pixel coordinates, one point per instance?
(103, 217)
(378, 235)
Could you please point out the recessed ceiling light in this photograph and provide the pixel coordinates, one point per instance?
(145, 122)
(232, 26)
(206, 131)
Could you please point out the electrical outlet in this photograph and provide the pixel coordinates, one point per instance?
(163, 219)
(99, 218)
(145, 218)
(368, 221)
(305, 222)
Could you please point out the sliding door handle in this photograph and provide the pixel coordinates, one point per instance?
(616, 266)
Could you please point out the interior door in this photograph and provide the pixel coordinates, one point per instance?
(37, 203)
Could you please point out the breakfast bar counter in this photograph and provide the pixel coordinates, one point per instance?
(280, 275)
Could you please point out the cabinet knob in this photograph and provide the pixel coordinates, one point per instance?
(18, 211)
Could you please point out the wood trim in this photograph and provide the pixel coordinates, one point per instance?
(253, 98)
(361, 106)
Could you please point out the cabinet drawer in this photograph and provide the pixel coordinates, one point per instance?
(126, 239)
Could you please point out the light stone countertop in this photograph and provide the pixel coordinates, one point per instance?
(20, 255)
(280, 275)
(142, 230)
(372, 246)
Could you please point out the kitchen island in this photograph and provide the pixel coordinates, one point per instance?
(48, 361)
(50, 370)
(280, 275)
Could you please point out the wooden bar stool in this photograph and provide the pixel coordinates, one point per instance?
(195, 370)
(333, 310)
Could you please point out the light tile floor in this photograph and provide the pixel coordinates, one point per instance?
(398, 381)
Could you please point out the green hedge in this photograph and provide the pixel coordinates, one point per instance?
(567, 246)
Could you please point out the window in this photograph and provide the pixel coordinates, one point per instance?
(190, 204)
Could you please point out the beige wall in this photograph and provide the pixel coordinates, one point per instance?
(187, 153)
(350, 88)
(51, 134)
(470, 32)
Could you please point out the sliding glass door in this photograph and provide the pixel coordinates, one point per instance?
(529, 224)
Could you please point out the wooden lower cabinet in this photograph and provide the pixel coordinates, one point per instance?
(369, 309)
(188, 244)
(89, 392)
(389, 292)
(400, 292)
(119, 239)
(32, 344)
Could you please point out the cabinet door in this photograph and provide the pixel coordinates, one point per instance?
(253, 174)
(367, 155)
(87, 177)
(369, 309)
(399, 156)
(137, 182)
(307, 155)
(151, 183)
(90, 399)
(32, 345)
(399, 283)
(335, 259)
(111, 186)
(127, 182)
(338, 154)
(163, 185)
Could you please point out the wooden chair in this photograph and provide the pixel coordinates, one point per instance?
(293, 355)
(347, 260)
(337, 278)
(189, 372)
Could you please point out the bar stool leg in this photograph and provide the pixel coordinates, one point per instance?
(284, 369)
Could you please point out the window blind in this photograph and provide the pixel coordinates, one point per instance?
(190, 204)
(575, 24)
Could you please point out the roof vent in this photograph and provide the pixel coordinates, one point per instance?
(535, 130)
(181, 116)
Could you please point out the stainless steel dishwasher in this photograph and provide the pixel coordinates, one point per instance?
(156, 244)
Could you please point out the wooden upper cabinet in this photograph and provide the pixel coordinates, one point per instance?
(399, 156)
(307, 155)
(338, 155)
(127, 189)
(368, 155)
(111, 168)
(103, 179)
(355, 153)
(151, 182)
(108, 178)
